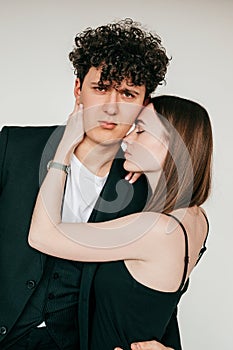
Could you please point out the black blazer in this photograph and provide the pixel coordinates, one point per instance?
(24, 154)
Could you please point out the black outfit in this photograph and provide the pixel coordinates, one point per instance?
(34, 287)
(128, 311)
(36, 338)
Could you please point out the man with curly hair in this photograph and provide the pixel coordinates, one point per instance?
(46, 302)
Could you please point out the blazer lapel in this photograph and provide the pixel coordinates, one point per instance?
(50, 150)
(48, 154)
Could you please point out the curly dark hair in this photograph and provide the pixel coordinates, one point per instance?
(123, 50)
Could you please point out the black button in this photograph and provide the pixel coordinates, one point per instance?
(55, 275)
(31, 284)
(51, 296)
(3, 330)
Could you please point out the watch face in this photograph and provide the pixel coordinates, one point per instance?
(49, 165)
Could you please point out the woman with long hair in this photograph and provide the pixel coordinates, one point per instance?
(145, 258)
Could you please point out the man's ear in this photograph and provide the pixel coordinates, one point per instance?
(147, 101)
(77, 90)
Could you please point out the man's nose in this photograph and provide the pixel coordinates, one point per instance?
(111, 106)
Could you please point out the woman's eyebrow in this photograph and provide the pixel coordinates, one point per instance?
(137, 121)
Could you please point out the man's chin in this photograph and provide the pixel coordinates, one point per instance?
(112, 142)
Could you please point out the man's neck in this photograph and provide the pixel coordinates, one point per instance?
(97, 158)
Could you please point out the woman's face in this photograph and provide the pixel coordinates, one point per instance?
(147, 144)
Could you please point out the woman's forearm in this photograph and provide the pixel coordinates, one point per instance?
(113, 240)
(49, 203)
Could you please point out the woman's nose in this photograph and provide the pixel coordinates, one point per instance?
(130, 137)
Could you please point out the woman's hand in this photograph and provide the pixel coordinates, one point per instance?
(73, 135)
(147, 345)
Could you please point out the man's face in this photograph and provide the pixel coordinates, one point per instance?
(109, 110)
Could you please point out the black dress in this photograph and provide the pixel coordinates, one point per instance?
(127, 311)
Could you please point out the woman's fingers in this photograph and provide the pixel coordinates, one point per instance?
(132, 177)
(74, 127)
(149, 345)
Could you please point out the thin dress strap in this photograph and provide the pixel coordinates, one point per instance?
(186, 257)
(203, 249)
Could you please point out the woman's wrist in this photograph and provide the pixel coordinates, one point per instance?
(58, 166)
(62, 156)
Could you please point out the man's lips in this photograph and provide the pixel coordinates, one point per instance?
(107, 125)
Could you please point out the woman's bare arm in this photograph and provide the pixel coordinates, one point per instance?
(123, 238)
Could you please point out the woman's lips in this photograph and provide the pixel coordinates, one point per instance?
(107, 125)
(127, 154)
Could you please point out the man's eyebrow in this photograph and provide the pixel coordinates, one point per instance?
(95, 83)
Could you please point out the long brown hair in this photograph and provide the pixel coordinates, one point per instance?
(186, 175)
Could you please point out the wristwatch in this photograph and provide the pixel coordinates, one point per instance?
(59, 166)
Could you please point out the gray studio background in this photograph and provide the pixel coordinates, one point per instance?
(36, 88)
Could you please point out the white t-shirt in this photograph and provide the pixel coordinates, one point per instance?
(81, 192)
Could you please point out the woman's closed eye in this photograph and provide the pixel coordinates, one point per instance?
(139, 129)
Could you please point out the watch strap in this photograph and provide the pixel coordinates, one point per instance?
(59, 166)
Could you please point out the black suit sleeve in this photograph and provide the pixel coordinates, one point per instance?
(3, 142)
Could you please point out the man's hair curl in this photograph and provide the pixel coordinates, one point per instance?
(123, 50)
